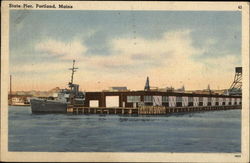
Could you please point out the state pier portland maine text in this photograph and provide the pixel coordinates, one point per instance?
(41, 6)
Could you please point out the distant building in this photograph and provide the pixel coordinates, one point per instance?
(54, 90)
(206, 92)
(19, 99)
(220, 92)
(169, 89)
(115, 89)
(154, 89)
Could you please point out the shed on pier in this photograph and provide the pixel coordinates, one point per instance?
(133, 99)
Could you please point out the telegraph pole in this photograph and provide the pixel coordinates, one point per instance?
(10, 96)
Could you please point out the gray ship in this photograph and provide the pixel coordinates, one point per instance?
(64, 98)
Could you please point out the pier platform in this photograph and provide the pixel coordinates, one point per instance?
(145, 110)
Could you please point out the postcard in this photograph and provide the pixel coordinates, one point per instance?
(124, 81)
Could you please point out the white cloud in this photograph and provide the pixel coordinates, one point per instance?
(167, 61)
(63, 50)
(169, 49)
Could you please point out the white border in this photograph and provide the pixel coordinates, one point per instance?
(128, 157)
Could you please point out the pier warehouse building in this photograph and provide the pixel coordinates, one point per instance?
(135, 99)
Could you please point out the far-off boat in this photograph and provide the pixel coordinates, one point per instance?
(59, 104)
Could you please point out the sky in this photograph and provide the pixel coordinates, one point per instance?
(122, 48)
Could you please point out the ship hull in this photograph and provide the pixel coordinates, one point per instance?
(47, 106)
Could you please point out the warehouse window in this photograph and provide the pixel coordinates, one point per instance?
(129, 98)
(178, 99)
(200, 99)
(190, 99)
(148, 99)
(164, 98)
(133, 98)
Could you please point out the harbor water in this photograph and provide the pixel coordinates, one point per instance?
(212, 131)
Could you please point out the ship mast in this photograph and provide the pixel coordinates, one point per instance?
(73, 69)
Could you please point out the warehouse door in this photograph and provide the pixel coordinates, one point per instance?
(93, 103)
(112, 101)
(157, 100)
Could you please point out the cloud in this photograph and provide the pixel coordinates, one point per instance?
(174, 49)
(168, 60)
(63, 50)
(142, 52)
(124, 49)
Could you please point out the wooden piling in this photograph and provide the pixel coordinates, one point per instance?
(145, 110)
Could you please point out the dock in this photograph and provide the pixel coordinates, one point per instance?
(145, 110)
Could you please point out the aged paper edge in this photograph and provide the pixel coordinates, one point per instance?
(127, 157)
